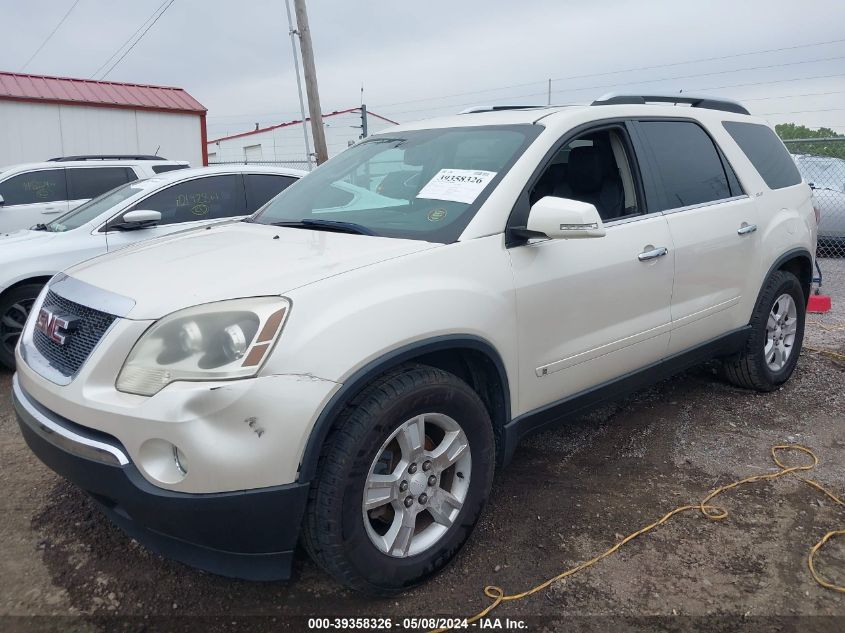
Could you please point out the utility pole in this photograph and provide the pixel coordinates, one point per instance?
(310, 72)
(293, 32)
(363, 120)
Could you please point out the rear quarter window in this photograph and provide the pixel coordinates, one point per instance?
(766, 152)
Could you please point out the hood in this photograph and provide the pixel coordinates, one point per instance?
(232, 261)
(32, 238)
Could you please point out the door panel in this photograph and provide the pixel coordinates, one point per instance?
(590, 310)
(714, 267)
(713, 227)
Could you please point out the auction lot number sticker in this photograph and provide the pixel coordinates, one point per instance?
(456, 185)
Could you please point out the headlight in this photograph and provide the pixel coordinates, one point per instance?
(214, 341)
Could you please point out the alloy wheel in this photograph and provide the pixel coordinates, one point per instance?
(781, 328)
(417, 485)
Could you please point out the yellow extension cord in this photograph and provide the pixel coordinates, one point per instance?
(712, 512)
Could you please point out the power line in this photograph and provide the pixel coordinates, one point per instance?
(806, 94)
(801, 111)
(634, 83)
(138, 39)
(50, 36)
(131, 37)
(614, 72)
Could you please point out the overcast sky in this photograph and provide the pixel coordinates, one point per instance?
(235, 57)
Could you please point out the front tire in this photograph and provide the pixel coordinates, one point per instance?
(777, 333)
(15, 305)
(402, 482)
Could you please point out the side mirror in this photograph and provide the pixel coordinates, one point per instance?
(141, 218)
(562, 218)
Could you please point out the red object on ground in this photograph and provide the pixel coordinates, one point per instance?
(818, 303)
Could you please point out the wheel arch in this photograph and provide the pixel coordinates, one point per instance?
(38, 279)
(797, 261)
(472, 358)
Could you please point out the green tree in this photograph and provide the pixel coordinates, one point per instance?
(835, 148)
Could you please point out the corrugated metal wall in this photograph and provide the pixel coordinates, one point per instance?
(34, 132)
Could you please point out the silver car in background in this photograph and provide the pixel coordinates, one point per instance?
(826, 177)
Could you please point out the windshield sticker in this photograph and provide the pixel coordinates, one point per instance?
(456, 185)
(435, 215)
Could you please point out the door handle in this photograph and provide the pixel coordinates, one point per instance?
(51, 211)
(746, 229)
(654, 253)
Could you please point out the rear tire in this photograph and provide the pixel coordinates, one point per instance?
(15, 305)
(777, 333)
(387, 511)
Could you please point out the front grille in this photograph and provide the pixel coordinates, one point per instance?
(92, 324)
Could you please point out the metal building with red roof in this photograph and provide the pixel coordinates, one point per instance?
(43, 117)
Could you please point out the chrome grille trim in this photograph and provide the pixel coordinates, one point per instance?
(67, 359)
(84, 297)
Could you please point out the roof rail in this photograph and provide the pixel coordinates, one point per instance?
(62, 159)
(694, 101)
(496, 108)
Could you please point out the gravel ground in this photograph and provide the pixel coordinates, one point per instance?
(569, 494)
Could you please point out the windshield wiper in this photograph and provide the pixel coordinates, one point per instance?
(328, 225)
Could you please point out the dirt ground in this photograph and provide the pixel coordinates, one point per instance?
(569, 494)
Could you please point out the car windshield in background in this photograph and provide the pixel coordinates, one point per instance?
(422, 185)
(822, 172)
(84, 213)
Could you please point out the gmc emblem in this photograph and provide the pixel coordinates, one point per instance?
(57, 328)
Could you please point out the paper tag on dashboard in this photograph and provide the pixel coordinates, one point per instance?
(456, 185)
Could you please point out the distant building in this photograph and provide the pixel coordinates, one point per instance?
(45, 117)
(284, 143)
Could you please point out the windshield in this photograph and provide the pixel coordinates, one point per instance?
(422, 185)
(822, 172)
(84, 213)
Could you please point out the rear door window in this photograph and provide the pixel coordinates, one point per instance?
(208, 198)
(686, 165)
(90, 182)
(766, 152)
(34, 187)
(261, 188)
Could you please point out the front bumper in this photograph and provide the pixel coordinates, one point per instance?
(247, 534)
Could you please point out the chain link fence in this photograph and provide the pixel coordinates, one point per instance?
(292, 164)
(821, 162)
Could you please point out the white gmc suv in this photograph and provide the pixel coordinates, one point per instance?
(351, 364)
(36, 193)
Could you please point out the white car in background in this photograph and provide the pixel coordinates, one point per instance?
(36, 193)
(135, 211)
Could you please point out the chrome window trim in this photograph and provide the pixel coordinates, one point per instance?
(62, 437)
(632, 218)
(701, 205)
